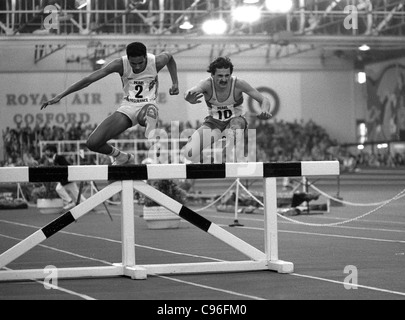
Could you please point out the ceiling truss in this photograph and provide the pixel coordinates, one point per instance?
(312, 24)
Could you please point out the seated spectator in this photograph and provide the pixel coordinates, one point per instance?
(68, 191)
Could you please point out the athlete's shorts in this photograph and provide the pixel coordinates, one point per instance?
(132, 110)
(221, 125)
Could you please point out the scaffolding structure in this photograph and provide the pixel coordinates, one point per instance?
(376, 17)
(106, 26)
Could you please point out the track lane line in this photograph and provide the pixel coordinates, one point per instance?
(251, 228)
(86, 297)
(212, 288)
(355, 286)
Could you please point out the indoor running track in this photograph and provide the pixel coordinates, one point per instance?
(326, 258)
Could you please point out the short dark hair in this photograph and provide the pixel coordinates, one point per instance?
(220, 63)
(51, 148)
(136, 49)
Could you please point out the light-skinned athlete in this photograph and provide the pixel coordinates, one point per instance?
(223, 94)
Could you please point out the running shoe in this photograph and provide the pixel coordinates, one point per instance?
(69, 206)
(130, 160)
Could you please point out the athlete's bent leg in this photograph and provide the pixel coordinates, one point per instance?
(235, 129)
(148, 117)
(110, 128)
(203, 138)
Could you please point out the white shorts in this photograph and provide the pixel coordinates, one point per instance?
(131, 110)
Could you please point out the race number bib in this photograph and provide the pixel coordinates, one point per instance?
(142, 91)
(223, 114)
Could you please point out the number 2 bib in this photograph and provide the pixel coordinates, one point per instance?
(142, 87)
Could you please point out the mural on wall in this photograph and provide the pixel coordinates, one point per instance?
(386, 105)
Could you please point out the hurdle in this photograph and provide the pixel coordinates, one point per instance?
(126, 179)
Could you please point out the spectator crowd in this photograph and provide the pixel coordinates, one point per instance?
(276, 141)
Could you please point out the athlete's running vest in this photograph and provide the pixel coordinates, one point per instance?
(141, 87)
(225, 110)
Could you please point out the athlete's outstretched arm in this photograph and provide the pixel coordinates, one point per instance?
(195, 94)
(114, 66)
(256, 95)
(166, 59)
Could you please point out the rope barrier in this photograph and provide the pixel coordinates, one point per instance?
(397, 197)
(217, 200)
(378, 205)
(347, 202)
(382, 205)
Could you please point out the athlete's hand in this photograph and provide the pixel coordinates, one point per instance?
(174, 90)
(194, 97)
(50, 102)
(265, 116)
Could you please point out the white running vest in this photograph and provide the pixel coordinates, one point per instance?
(140, 87)
(225, 110)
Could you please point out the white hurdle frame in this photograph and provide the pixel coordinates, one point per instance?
(129, 178)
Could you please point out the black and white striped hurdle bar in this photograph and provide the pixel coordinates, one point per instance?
(169, 171)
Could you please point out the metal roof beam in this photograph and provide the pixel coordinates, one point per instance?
(78, 40)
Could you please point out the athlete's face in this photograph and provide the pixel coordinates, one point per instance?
(138, 64)
(222, 77)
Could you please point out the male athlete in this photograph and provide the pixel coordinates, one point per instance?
(223, 94)
(139, 74)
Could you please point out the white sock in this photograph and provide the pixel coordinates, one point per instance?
(115, 153)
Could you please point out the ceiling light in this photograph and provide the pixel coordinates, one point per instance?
(215, 27)
(247, 14)
(186, 25)
(277, 6)
(361, 77)
(364, 47)
(382, 146)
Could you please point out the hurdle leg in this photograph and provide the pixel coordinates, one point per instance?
(128, 234)
(236, 220)
(271, 228)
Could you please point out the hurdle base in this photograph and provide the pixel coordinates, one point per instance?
(134, 272)
(218, 267)
(62, 273)
(116, 270)
(142, 272)
(281, 266)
